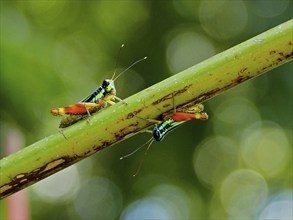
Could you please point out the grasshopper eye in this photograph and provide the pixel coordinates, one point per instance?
(106, 83)
(157, 134)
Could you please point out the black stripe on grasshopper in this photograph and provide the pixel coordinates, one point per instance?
(162, 129)
(106, 91)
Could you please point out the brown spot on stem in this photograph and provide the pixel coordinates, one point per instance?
(166, 105)
(211, 93)
(242, 70)
(52, 165)
(171, 95)
(87, 153)
(24, 179)
(132, 114)
(5, 188)
(98, 147)
(124, 131)
(102, 145)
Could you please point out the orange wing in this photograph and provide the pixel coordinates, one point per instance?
(185, 116)
(80, 108)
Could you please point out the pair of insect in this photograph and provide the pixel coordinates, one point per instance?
(106, 94)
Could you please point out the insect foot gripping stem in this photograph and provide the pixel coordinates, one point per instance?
(62, 133)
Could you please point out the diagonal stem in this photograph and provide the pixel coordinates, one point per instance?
(116, 123)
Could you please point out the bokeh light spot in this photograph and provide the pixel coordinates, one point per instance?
(165, 201)
(279, 207)
(148, 208)
(177, 198)
(265, 147)
(98, 198)
(233, 111)
(77, 56)
(60, 187)
(223, 19)
(215, 158)
(47, 14)
(17, 29)
(187, 49)
(270, 8)
(242, 193)
(187, 9)
(233, 114)
(112, 17)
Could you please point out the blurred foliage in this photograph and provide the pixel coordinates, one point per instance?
(238, 164)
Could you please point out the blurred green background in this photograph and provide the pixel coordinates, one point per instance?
(238, 164)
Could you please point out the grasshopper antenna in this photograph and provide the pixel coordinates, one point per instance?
(137, 149)
(149, 142)
(128, 68)
(146, 151)
(118, 55)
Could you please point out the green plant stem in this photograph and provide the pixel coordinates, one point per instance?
(116, 123)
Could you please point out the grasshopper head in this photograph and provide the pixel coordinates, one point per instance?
(157, 135)
(109, 86)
